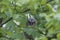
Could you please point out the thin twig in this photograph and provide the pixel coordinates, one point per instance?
(6, 21)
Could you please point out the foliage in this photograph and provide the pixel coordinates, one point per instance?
(14, 19)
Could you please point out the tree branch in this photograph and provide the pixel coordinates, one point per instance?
(5, 22)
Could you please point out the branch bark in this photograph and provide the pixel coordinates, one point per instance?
(5, 22)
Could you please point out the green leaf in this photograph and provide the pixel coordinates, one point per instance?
(49, 7)
(43, 2)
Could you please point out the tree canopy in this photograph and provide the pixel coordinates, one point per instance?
(29, 19)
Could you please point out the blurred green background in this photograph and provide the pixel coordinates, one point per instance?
(29, 19)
